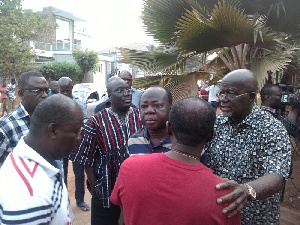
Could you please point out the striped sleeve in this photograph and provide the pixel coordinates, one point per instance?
(86, 150)
(27, 210)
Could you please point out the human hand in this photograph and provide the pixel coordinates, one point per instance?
(238, 197)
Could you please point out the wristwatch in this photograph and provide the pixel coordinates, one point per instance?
(251, 191)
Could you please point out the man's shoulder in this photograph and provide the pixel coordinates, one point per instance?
(265, 119)
(140, 133)
(136, 161)
(14, 116)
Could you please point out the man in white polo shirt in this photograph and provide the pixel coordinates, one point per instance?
(33, 190)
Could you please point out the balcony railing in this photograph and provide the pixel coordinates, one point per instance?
(58, 45)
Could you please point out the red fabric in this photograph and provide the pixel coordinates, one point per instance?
(204, 94)
(155, 189)
(3, 92)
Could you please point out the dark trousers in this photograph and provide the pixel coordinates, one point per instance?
(214, 104)
(78, 170)
(104, 216)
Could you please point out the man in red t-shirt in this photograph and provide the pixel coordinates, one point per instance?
(174, 187)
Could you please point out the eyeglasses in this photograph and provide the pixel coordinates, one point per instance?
(38, 91)
(127, 79)
(231, 96)
(123, 91)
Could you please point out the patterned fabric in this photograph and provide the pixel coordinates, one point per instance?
(103, 145)
(292, 127)
(140, 143)
(38, 194)
(259, 145)
(10, 90)
(12, 127)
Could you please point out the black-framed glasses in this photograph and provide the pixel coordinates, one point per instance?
(127, 79)
(123, 91)
(38, 91)
(232, 96)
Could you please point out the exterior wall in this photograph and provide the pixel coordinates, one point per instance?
(63, 57)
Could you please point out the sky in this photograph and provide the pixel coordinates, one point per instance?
(110, 23)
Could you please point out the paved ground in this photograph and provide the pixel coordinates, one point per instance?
(81, 217)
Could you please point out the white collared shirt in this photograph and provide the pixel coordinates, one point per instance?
(32, 190)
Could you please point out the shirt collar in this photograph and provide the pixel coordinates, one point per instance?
(21, 112)
(147, 136)
(117, 116)
(24, 151)
(267, 108)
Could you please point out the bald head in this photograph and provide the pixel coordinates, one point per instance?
(55, 109)
(192, 120)
(242, 77)
(237, 94)
(114, 83)
(65, 85)
(55, 127)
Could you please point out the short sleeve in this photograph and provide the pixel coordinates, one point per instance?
(86, 150)
(29, 210)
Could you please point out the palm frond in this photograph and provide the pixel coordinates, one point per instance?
(160, 17)
(149, 62)
(228, 26)
(272, 62)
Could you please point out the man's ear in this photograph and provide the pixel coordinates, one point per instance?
(52, 130)
(169, 129)
(21, 93)
(252, 96)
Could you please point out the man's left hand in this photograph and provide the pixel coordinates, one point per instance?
(238, 197)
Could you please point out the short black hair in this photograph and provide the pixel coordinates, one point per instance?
(24, 77)
(192, 119)
(169, 94)
(54, 109)
(111, 85)
(267, 90)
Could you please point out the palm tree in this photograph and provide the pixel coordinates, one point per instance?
(239, 32)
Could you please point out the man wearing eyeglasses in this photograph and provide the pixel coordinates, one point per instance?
(251, 149)
(33, 88)
(103, 147)
(136, 94)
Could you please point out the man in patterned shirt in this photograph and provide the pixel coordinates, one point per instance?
(32, 190)
(33, 88)
(103, 147)
(252, 149)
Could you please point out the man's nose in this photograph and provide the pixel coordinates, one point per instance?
(150, 110)
(45, 94)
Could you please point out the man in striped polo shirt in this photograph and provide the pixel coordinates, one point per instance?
(32, 189)
(103, 147)
(155, 105)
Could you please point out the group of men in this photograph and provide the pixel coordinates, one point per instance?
(249, 155)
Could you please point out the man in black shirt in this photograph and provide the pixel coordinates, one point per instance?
(270, 101)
